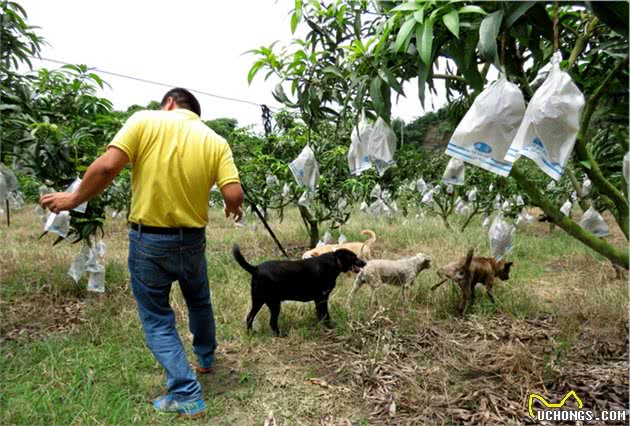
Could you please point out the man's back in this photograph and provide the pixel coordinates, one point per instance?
(176, 160)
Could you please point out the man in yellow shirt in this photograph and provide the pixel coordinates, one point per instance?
(175, 159)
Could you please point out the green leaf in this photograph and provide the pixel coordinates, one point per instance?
(377, 96)
(332, 70)
(419, 16)
(424, 41)
(488, 32)
(615, 14)
(404, 34)
(407, 7)
(451, 21)
(586, 164)
(254, 69)
(390, 79)
(294, 22)
(517, 10)
(423, 76)
(472, 9)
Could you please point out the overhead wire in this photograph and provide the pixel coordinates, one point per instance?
(157, 83)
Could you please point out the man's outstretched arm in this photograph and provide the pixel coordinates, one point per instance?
(97, 177)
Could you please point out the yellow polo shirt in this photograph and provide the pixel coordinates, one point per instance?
(176, 159)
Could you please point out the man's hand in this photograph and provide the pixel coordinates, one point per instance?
(237, 213)
(59, 201)
(233, 197)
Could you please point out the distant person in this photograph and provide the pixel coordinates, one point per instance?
(175, 159)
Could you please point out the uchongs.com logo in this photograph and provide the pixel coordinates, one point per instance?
(555, 412)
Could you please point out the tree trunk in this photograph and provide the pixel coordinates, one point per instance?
(311, 226)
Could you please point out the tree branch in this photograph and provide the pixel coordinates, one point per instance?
(584, 155)
(601, 246)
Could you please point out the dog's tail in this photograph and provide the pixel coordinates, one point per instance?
(236, 252)
(372, 236)
(468, 261)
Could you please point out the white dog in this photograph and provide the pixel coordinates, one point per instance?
(401, 273)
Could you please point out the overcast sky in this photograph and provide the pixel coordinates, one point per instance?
(189, 43)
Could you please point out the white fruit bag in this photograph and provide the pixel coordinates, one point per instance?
(382, 146)
(454, 172)
(58, 223)
(421, 186)
(551, 123)
(376, 191)
(305, 168)
(342, 239)
(566, 208)
(472, 194)
(485, 133)
(364, 206)
(501, 235)
(4, 191)
(587, 186)
(358, 156)
(594, 223)
(73, 187)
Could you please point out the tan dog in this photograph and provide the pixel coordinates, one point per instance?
(469, 271)
(400, 273)
(361, 249)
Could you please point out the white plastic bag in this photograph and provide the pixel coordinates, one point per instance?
(96, 281)
(305, 168)
(519, 201)
(626, 166)
(421, 186)
(485, 133)
(342, 203)
(73, 187)
(58, 223)
(382, 146)
(450, 189)
(286, 191)
(378, 208)
(272, 180)
(501, 235)
(78, 265)
(566, 208)
(454, 172)
(593, 222)
(4, 191)
(587, 186)
(376, 191)
(10, 180)
(306, 198)
(427, 198)
(364, 206)
(342, 239)
(551, 123)
(358, 155)
(486, 222)
(472, 194)
(371, 145)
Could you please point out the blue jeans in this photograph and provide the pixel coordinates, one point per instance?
(155, 261)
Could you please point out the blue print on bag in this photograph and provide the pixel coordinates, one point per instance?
(538, 143)
(483, 147)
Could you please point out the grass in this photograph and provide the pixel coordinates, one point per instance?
(72, 357)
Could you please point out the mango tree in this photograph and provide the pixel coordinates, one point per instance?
(357, 54)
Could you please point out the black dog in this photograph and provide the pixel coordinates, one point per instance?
(302, 280)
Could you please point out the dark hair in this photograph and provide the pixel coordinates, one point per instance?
(184, 99)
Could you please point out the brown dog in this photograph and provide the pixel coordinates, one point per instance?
(361, 249)
(469, 271)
